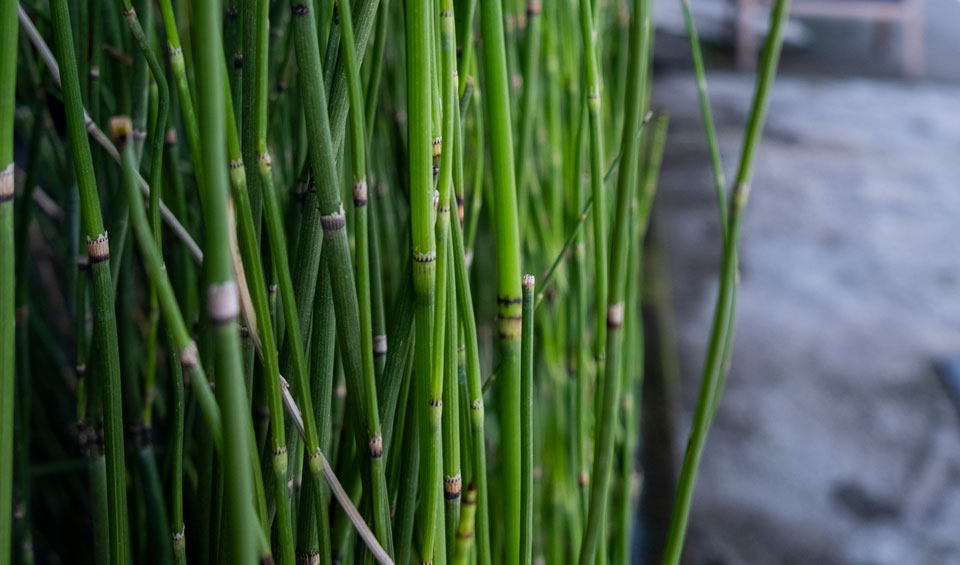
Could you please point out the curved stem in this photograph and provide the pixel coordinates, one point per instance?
(708, 398)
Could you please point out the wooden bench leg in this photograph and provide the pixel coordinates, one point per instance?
(913, 55)
(746, 39)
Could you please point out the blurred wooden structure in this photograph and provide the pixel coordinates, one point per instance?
(907, 13)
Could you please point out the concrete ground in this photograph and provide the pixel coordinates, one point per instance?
(835, 442)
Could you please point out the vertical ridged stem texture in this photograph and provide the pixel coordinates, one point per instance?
(481, 527)
(256, 281)
(98, 248)
(8, 72)
(452, 479)
(497, 109)
(333, 221)
(187, 109)
(707, 399)
(609, 379)
(163, 103)
(419, 104)
(528, 101)
(381, 506)
(186, 350)
(594, 95)
(240, 527)
(526, 423)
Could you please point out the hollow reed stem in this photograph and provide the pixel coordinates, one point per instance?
(707, 399)
(497, 110)
(98, 248)
(222, 301)
(425, 271)
(526, 423)
(358, 134)
(8, 71)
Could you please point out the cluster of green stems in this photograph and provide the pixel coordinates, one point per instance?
(327, 370)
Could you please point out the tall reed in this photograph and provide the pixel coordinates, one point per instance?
(424, 255)
(98, 249)
(222, 300)
(609, 386)
(8, 72)
(271, 418)
(497, 110)
(710, 389)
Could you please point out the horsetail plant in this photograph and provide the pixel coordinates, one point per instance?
(8, 73)
(608, 381)
(497, 109)
(262, 329)
(221, 299)
(710, 389)
(283, 429)
(425, 272)
(381, 511)
(98, 250)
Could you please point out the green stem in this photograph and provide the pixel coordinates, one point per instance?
(222, 302)
(335, 245)
(589, 33)
(251, 252)
(526, 423)
(719, 180)
(452, 479)
(608, 377)
(497, 109)
(475, 393)
(358, 134)
(528, 111)
(98, 246)
(8, 72)
(708, 397)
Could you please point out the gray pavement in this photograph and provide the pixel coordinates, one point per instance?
(835, 443)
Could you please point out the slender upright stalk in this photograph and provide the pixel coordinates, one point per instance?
(98, 248)
(163, 103)
(256, 281)
(526, 423)
(373, 84)
(497, 109)
(250, 16)
(478, 455)
(444, 336)
(452, 480)
(222, 301)
(468, 513)
(187, 110)
(719, 180)
(707, 399)
(609, 380)
(427, 403)
(8, 81)
(633, 366)
(528, 101)
(24, 380)
(333, 222)
(323, 348)
(589, 34)
(358, 135)
(121, 128)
